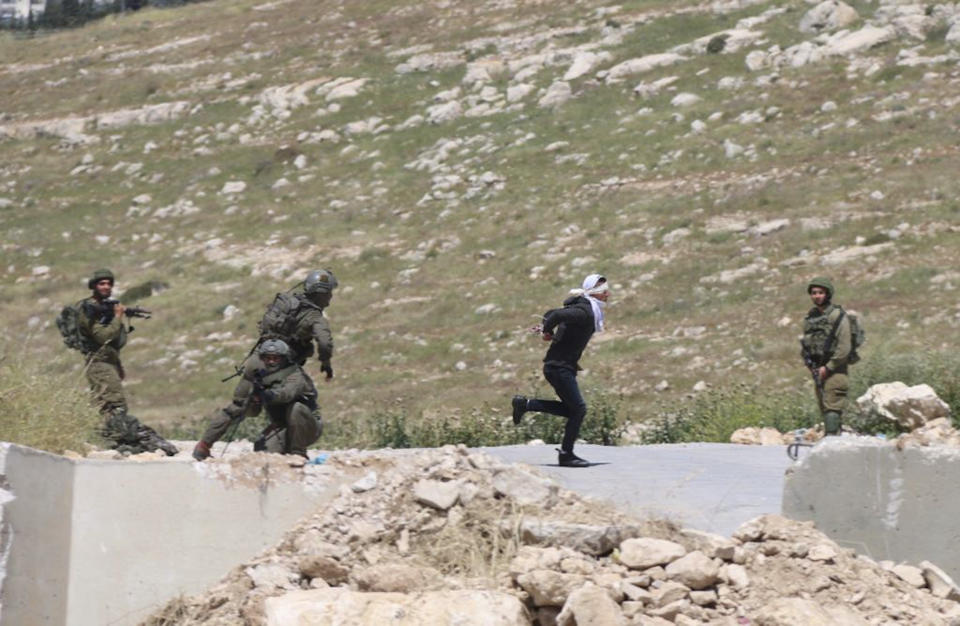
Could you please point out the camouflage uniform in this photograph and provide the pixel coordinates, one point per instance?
(290, 400)
(817, 327)
(312, 329)
(104, 336)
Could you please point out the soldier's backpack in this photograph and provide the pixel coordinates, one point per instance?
(857, 334)
(280, 319)
(68, 323)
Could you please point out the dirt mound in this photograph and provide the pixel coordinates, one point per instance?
(451, 519)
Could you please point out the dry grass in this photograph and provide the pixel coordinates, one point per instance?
(42, 406)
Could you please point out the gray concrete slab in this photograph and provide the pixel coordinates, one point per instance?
(881, 501)
(106, 542)
(709, 486)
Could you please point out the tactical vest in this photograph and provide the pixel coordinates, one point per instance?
(816, 332)
(308, 398)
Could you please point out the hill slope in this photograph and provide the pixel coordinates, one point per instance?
(461, 165)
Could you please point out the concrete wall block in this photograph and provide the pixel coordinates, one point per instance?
(883, 502)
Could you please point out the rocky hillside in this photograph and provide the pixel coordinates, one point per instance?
(447, 536)
(461, 164)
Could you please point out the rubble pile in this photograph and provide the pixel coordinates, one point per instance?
(454, 536)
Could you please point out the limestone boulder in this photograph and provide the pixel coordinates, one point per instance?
(830, 15)
(586, 538)
(525, 488)
(714, 546)
(645, 552)
(397, 577)
(695, 570)
(557, 94)
(641, 65)
(437, 494)
(549, 587)
(318, 566)
(753, 436)
(793, 611)
(343, 606)
(939, 582)
(845, 44)
(590, 605)
(910, 407)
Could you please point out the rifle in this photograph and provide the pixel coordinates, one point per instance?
(130, 311)
(257, 393)
(813, 366)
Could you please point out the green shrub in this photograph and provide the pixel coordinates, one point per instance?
(716, 414)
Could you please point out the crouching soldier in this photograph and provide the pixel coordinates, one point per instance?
(288, 396)
(297, 320)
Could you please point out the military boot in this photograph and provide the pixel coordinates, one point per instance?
(150, 441)
(519, 404)
(831, 423)
(201, 451)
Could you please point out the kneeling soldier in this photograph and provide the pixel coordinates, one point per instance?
(289, 398)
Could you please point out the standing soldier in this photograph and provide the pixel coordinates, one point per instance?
(103, 333)
(826, 351)
(297, 320)
(568, 330)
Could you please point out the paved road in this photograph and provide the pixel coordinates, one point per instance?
(710, 486)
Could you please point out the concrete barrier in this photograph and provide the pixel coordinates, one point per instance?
(105, 542)
(886, 503)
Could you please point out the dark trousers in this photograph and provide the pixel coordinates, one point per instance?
(571, 404)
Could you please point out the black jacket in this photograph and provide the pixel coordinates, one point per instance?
(572, 326)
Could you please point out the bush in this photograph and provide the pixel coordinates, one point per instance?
(31, 415)
(716, 414)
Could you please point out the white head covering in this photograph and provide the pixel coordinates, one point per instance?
(592, 285)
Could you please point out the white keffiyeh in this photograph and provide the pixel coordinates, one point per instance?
(591, 286)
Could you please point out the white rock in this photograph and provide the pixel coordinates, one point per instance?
(590, 605)
(731, 150)
(640, 65)
(685, 99)
(366, 483)
(524, 487)
(941, 585)
(911, 575)
(557, 94)
(464, 608)
(911, 407)
(584, 62)
(828, 16)
(757, 436)
(437, 494)
(859, 41)
(445, 112)
(645, 552)
(518, 92)
(233, 187)
(695, 570)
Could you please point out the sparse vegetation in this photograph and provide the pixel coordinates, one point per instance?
(44, 406)
(426, 224)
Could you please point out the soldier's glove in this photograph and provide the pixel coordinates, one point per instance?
(327, 369)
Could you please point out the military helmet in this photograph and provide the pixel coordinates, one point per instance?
(99, 275)
(823, 282)
(275, 347)
(319, 281)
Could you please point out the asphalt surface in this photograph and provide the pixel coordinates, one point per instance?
(713, 487)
